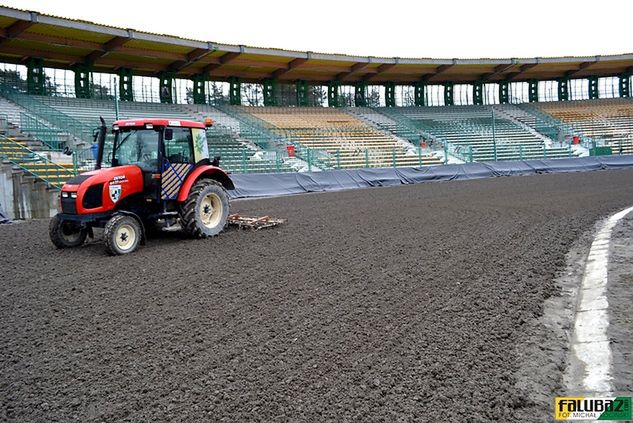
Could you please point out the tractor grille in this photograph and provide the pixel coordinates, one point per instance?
(69, 205)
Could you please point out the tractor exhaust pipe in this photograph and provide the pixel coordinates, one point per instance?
(100, 138)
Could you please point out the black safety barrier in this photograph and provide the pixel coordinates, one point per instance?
(275, 184)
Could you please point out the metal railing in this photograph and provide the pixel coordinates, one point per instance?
(548, 123)
(84, 160)
(261, 161)
(53, 138)
(63, 122)
(470, 153)
(254, 129)
(36, 164)
(366, 158)
(409, 123)
(420, 129)
(4, 121)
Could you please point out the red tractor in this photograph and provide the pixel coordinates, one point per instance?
(155, 172)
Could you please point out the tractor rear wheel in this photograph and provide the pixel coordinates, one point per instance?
(65, 233)
(122, 235)
(205, 212)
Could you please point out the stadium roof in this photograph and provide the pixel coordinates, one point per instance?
(64, 43)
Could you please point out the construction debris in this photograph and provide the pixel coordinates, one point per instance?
(254, 223)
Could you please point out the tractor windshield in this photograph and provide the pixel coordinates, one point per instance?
(136, 146)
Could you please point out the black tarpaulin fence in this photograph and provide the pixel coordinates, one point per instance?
(276, 184)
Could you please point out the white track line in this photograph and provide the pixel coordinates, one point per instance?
(591, 342)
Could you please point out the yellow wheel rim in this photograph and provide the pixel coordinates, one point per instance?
(125, 237)
(211, 210)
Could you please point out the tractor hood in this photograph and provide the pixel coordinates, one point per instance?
(109, 174)
(100, 190)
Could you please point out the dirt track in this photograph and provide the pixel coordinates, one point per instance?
(390, 304)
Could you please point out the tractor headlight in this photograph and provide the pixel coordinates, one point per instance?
(73, 195)
(64, 194)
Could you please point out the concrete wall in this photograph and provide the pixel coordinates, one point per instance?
(6, 189)
(23, 197)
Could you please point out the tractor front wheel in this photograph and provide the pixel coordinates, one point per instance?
(66, 234)
(122, 234)
(205, 212)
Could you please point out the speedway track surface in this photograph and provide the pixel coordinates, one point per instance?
(385, 304)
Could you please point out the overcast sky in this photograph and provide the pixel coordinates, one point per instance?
(391, 28)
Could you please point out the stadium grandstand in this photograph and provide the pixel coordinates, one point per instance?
(290, 111)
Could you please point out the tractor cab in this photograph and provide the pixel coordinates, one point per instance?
(149, 171)
(144, 141)
(162, 149)
(136, 146)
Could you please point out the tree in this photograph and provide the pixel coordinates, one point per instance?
(189, 95)
(12, 79)
(50, 87)
(373, 97)
(317, 95)
(407, 96)
(287, 95)
(346, 99)
(251, 93)
(216, 96)
(100, 91)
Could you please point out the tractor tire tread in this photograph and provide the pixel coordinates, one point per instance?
(107, 233)
(187, 209)
(54, 230)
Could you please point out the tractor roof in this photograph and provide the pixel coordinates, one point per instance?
(158, 122)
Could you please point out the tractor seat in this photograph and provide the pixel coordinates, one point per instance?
(176, 158)
(148, 165)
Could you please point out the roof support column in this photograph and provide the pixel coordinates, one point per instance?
(82, 81)
(593, 87)
(419, 92)
(624, 85)
(390, 94)
(333, 94)
(478, 90)
(199, 89)
(360, 94)
(166, 86)
(125, 85)
(504, 92)
(532, 90)
(448, 94)
(563, 89)
(270, 92)
(235, 91)
(35, 78)
(302, 93)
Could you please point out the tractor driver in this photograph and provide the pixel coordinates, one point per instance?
(147, 153)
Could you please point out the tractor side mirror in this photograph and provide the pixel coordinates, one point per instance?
(169, 134)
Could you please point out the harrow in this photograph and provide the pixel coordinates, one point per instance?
(254, 223)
